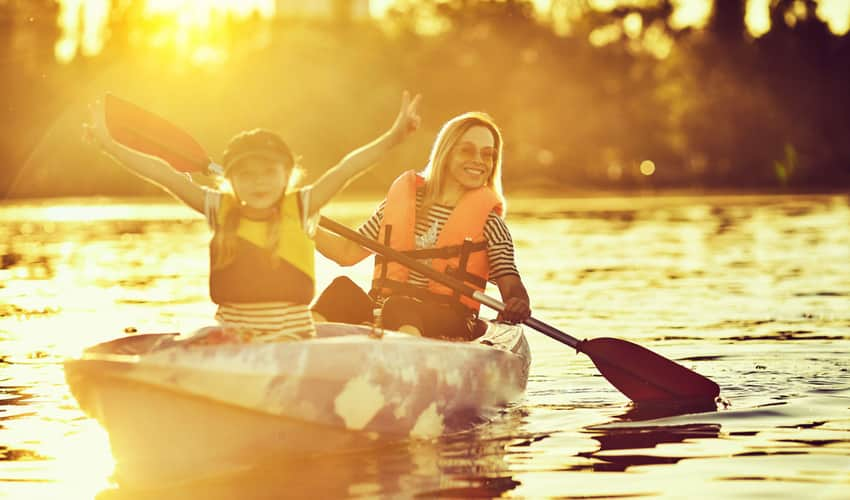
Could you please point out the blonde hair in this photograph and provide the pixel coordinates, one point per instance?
(447, 138)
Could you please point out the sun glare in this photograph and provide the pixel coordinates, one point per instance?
(201, 12)
(837, 15)
(379, 8)
(196, 29)
(757, 17)
(690, 13)
(83, 24)
(91, 211)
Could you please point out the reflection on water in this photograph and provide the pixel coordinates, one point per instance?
(468, 465)
(752, 291)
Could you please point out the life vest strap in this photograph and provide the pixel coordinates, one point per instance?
(420, 293)
(465, 250)
(379, 260)
(440, 253)
(467, 277)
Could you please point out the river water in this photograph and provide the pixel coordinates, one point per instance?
(751, 291)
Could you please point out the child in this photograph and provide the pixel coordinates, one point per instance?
(261, 252)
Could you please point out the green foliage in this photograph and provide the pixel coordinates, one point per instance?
(713, 112)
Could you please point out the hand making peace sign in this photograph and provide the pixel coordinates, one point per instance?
(408, 118)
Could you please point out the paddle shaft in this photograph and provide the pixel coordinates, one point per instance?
(444, 279)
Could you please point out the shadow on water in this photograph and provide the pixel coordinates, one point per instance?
(643, 438)
(652, 411)
(635, 436)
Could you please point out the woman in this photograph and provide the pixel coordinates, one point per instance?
(261, 252)
(450, 217)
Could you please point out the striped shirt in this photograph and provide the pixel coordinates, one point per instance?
(265, 321)
(500, 246)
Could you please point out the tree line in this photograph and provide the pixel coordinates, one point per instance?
(709, 108)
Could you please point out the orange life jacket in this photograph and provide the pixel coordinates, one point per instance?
(460, 251)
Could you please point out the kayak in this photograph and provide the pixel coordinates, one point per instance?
(175, 411)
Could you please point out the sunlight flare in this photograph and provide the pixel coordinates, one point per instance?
(198, 30)
(836, 13)
(689, 14)
(757, 17)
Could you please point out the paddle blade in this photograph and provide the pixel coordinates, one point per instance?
(139, 129)
(645, 376)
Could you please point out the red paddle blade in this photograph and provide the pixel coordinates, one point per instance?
(139, 129)
(645, 376)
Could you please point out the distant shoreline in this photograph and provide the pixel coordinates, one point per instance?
(518, 194)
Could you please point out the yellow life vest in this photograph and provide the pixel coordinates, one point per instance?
(460, 250)
(256, 276)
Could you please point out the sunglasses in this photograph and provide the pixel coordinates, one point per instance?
(468, 152)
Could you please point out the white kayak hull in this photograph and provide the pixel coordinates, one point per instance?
(180, 412)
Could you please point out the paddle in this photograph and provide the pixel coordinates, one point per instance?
(642, 375)
(139, 129)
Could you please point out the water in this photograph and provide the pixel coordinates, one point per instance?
(752, 291)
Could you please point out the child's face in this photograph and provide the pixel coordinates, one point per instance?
(259, 182)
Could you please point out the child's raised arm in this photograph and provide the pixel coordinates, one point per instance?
(359, 160)
(148, 167)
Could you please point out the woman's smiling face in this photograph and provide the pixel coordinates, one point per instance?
(473, 158)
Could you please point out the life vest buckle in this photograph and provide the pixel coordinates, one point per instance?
(377, 330)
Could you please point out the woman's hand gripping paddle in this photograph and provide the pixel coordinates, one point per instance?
(642, 375)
